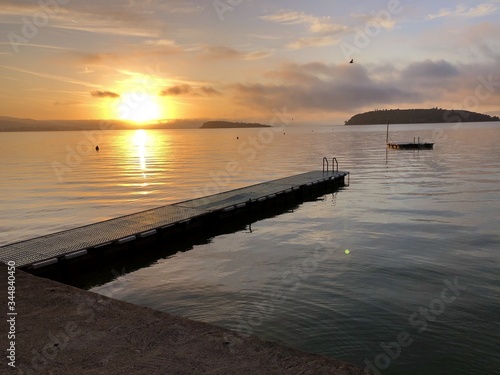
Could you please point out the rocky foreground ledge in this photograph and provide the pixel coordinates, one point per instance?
(60, 329)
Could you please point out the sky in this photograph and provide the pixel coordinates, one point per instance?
(243, 60)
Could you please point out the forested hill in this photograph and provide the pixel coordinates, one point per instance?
(228, 124)
(417, 116)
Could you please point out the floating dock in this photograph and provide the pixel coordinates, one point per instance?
(73, 245)
(407, 146)
(410, 146)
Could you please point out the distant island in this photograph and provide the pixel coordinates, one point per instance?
(230, 125)
(417, 116)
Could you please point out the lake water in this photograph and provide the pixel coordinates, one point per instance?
(421, 230)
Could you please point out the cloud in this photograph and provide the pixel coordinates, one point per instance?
(18, 7)
(160, 42)
(323, 32)
(321, 25)
(209, 91)
(186, 89)
(108, 17)
(143, 52)
(326, 97)
(158, 47)
(104, 94)
(288, 18)
(430, 70)
(67, 104)
(105, 27)
(177, 90)
(385, 23)
(46, 46)
(86, 71)
(323, 88)
(96, 58)
(480, 33)
(480, 10)
(51, 76)
(320, 41)
(223, 52)
(188, 9)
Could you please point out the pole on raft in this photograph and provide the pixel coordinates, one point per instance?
(387, 133)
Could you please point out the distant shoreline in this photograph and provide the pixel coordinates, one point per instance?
(13, 124)
(231, 125)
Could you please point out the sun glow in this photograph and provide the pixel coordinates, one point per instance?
(139, 108)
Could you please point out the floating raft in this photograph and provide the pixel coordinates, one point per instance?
(410, 146)
(75, 244)
(407, 146)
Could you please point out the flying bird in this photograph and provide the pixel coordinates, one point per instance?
(352, 61)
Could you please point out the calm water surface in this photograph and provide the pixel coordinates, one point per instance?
(413, 222)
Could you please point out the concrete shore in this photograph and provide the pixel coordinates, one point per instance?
(60, 329)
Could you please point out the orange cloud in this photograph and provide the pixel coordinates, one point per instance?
(104, 94)
(185, 89)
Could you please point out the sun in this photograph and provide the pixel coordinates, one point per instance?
(139, 108)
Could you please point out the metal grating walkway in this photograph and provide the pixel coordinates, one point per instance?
(76, 241)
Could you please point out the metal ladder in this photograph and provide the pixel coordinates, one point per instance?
(326, 163)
